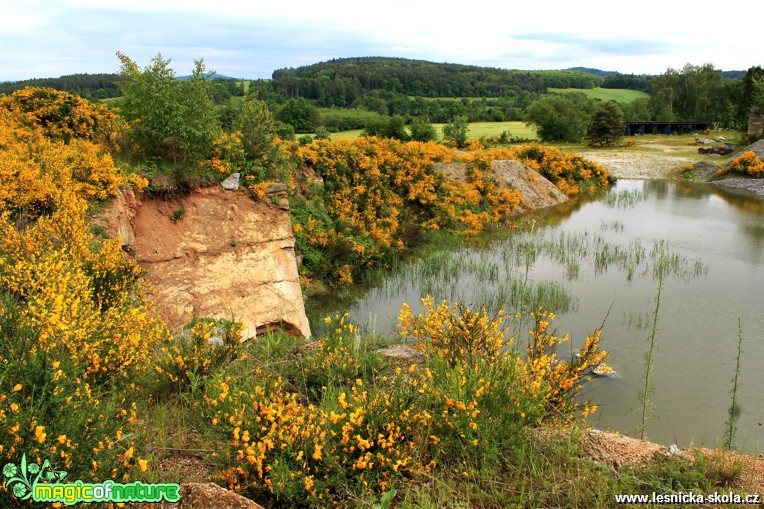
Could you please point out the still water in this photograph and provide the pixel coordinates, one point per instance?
(717, 241)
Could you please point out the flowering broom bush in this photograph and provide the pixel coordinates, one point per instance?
(747, 163)
(380, 195)
(75, 332)
(350, 422)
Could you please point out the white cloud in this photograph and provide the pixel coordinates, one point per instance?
(253, 38)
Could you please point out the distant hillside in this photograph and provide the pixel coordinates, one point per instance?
(213, 77)
(339, 82)
(733, 75)
(91, 86)
(595, 72)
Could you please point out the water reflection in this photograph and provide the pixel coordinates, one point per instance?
(697, 331)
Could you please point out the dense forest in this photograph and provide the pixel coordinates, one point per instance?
(90, 86)
(360, 93)
(339, 82)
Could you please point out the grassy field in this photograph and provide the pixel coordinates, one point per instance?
(516, 129)
(477, 130)
(605, 94)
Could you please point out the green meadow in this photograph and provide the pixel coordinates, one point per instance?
(620, 95)
(516, 129)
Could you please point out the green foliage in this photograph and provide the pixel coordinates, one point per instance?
(200, 349)
(694, 93)
(284, 131)
(89, 86)
(302, 115)
(561, 117)
(422, 130)
(346, 119)
(257, 129)
(391, 127)
(177, 215)
(607, 126)
(637, 111)
(757, 98)
(171, 119)
(456, 131)
(322, 133)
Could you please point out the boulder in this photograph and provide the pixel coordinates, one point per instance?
(232, 182)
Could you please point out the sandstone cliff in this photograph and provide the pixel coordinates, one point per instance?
(215, 253)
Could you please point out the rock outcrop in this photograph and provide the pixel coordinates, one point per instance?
(214, 253)
(537, 191)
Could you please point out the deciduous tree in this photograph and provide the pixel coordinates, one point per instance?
(560, 117)
(456, 131)
(172, 119)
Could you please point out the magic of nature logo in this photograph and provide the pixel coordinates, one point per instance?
(40, 482)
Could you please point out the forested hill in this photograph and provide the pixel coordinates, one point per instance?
(339, 82)
(92, 86)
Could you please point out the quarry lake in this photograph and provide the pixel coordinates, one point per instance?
(596, 260)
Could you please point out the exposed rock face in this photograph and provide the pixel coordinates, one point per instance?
(757, 148)
(215, 253)
(537, 191)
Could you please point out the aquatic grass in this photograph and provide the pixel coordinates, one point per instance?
(648, 387)
(638, 320)
(624, 199)
(615, 225)
(734, 412)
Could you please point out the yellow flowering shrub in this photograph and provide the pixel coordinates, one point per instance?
(747, 163)
(480, 388)
(379, 195)
(191, 357)
(61, 115)
(38, 157)
(76, 331)
(350, 421)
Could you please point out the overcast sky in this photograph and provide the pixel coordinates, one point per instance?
(251, 38)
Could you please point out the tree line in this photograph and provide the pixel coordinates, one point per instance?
(360, 93)
(340, 82)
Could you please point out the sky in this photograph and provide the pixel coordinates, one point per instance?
(252, 38)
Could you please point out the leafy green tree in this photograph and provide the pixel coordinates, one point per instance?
(396, 128)
(387, 127)
(257, 128)
(172, 119)
(375, 127)
(607, 126)
(322, 133)
(757, 98)
(561, 117)
(456, 131)
(422, 130)
(637, 110)
(694, 93)
(284, 131)
(303, 116)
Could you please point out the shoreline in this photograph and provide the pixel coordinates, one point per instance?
(641, 165)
